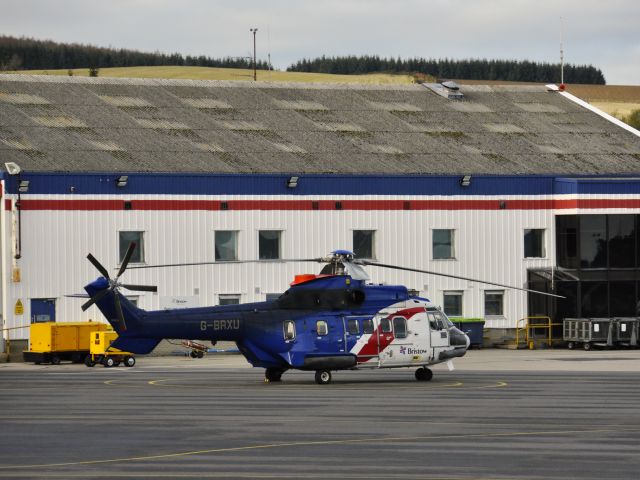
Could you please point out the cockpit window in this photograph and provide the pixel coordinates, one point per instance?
(435, 321)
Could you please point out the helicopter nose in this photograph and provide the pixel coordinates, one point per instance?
(458, 338)
(468, 341)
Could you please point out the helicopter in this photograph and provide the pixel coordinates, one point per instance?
(326, 322)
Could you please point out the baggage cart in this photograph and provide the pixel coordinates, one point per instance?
(53, 342)
(625, 331)
(588, 332)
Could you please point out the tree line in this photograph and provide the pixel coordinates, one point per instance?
(31, 54)
(468, 69)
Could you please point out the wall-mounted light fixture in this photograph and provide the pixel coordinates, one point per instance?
(122, 180)
(465, 181)
(292, 182)
(23, 187)
(12, 168)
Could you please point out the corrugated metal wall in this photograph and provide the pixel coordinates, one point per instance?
(488, 245)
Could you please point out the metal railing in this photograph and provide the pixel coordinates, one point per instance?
(527, 328)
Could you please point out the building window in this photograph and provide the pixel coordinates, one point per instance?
(453, 303)
(363, 243)
(133, 299)
(125, 239)
(622, 241)
(567, 240)
(233, 299)
(226, 246)
(593, 241)
(269, 244)
(494, 303)
(534, 243)
(443, 244)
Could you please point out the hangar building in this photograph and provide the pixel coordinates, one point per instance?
(520, 185)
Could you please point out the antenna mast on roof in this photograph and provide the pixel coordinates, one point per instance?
(561, 55)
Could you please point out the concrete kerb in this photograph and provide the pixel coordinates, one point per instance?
(548, 360)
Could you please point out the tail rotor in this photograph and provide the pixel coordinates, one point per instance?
(114, 284)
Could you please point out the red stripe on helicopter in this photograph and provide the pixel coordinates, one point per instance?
(271, 205)
(379, 340)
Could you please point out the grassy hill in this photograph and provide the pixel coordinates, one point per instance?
(209, 73)
(617, 100)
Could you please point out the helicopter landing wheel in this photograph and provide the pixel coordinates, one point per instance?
(272, 375)
(423, 374)
(323, 377)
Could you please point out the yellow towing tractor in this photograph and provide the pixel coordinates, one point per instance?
(53, 342)
(100, 351)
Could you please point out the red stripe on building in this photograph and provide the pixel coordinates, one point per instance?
(325, 205)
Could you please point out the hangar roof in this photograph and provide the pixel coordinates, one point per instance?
(79, 124)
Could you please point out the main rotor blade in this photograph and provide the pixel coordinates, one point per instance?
(429, 272)
(127, 257)
(94, 299)
(119, 312)
(99, 266)
(141, 288)
(233, 262)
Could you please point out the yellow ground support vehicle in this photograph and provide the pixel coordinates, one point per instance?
(99, 351)
(52, 342)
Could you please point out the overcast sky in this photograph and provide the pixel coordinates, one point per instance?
(603, 33)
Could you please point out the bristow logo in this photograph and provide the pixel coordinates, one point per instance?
(412, 351)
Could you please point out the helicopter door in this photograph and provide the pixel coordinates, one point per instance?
(330, 335)
(353, 330)
(439, 334)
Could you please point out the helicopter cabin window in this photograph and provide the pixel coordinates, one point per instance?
(125, 239)
(269, 244)
(226, 245)
(385, 325)
(494, 303)
(228, 299)
(322, 328)
(289, 328)
(363, 243)
(534, 243)
(352, 326)
(443, 244)
(367, 325)
(452, 303)
(400, 327)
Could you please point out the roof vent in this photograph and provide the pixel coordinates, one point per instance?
(448, 89)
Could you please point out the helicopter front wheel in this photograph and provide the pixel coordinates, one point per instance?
(423, 374)
(323, 377)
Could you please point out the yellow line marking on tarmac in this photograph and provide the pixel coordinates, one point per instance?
(160, 383)
(377, 439)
